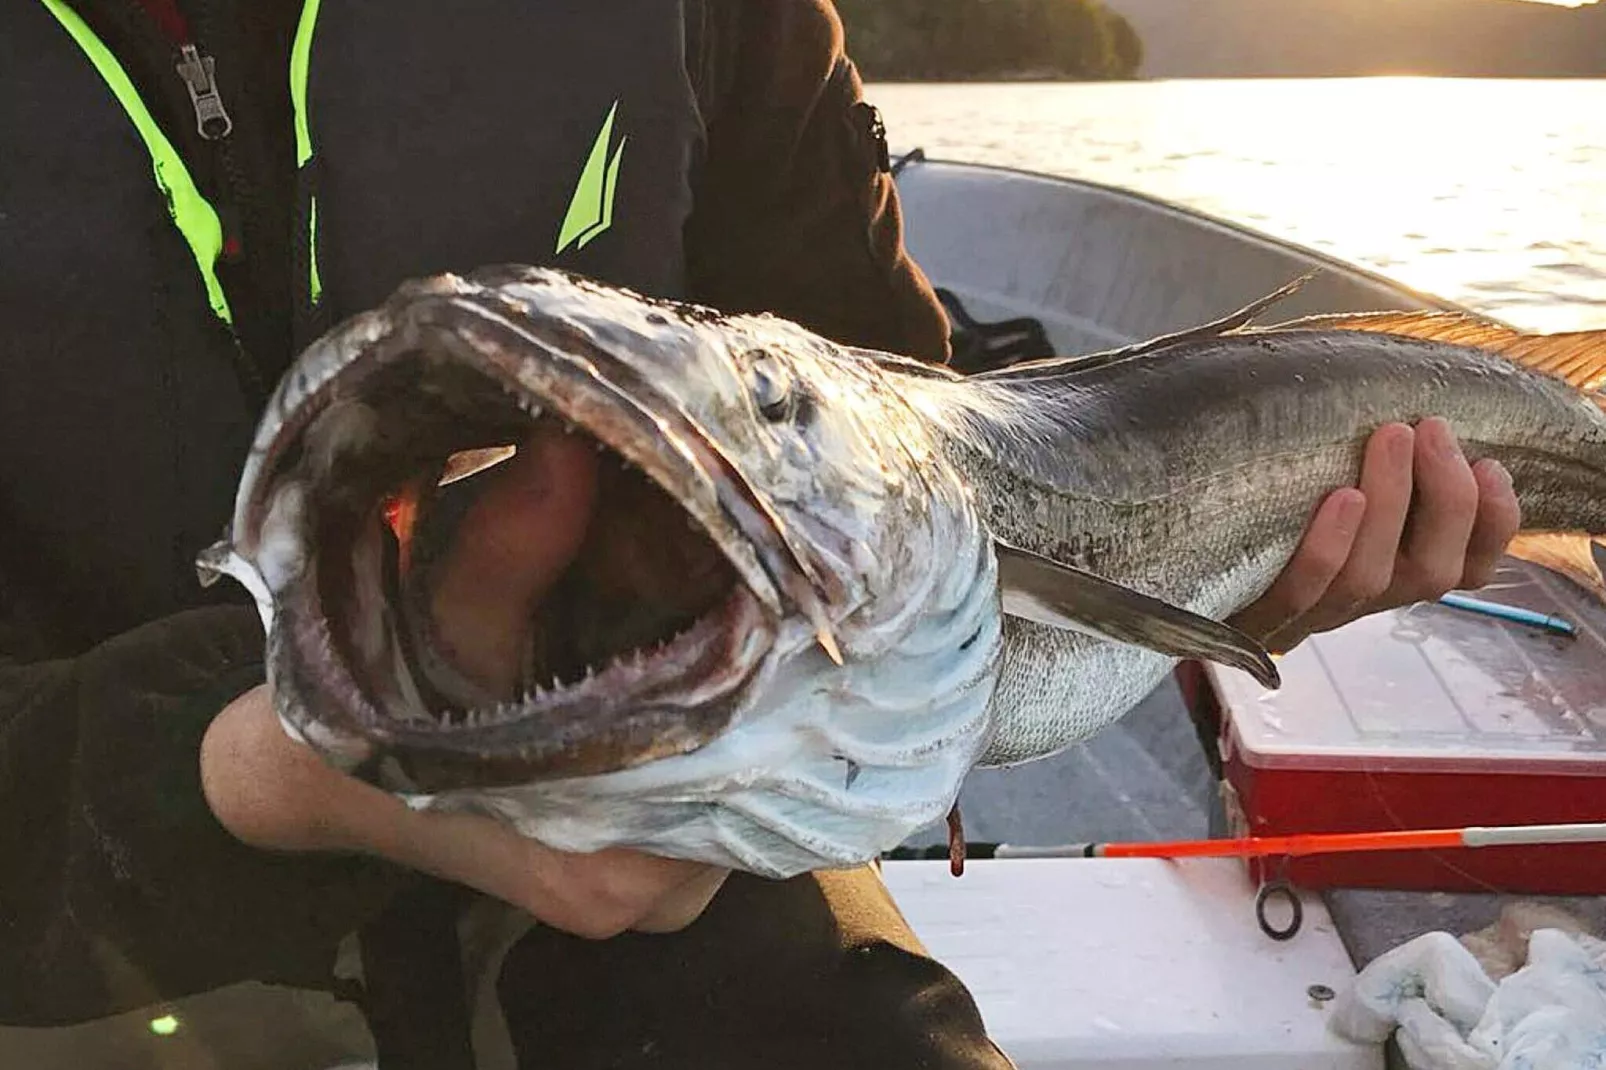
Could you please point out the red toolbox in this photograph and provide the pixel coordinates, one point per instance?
(1428, 717)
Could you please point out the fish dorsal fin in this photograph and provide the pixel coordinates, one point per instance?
(1214, 329)
(1576, 357)
(1571, 553)
(1233, 321)
(1039, 589)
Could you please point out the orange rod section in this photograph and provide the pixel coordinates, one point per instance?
(1307, 844)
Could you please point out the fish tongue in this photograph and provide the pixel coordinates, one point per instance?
(487, 550)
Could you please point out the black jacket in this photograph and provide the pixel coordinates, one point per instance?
(118, 887)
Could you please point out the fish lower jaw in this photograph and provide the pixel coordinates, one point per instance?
(697, 664)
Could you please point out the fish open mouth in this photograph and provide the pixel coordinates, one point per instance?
(641, 648)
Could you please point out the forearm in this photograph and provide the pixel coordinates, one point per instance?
(685, 905)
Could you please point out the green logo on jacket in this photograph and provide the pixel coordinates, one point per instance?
(591, 208)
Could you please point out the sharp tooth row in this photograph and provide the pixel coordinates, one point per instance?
(523, 401)
(418, 715)
(488, 716)
(506, 712)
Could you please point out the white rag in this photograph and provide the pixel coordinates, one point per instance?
(1548, 1015)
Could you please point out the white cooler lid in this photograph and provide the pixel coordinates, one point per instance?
(1135, 963)
(1430, 688)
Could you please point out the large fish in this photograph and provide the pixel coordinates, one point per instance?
(821, 584)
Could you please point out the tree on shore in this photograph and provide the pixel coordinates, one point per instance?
(972, 39)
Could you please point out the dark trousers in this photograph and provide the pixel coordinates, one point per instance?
(816, 972)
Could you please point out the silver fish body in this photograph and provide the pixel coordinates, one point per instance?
(1189, 469)
(863, 504)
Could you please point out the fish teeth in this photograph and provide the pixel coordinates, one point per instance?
(523, 401)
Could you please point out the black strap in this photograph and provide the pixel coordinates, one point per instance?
(979, 346)
(916, 155)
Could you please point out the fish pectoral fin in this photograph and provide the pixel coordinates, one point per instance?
(1039, 589)
(1570, 553)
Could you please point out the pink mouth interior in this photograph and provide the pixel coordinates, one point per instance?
(629, 572)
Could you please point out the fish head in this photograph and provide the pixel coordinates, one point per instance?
(770, 523)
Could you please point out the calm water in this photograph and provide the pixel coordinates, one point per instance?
(1490, 193)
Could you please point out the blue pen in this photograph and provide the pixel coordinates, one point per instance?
(1512, 613)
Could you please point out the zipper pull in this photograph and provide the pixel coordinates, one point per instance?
(210, 117)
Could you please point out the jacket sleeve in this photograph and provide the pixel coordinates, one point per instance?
(797, 213)
(117, 885)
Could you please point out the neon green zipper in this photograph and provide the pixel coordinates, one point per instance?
(194, 216)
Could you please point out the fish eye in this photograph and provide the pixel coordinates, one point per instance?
(772, 388)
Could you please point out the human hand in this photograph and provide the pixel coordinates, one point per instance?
(275, 793)
(1422, 522)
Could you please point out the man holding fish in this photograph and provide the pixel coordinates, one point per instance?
(163, 835)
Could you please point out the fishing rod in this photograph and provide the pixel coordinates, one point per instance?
(1315, 843)
(1292, 846)
(1305, 843)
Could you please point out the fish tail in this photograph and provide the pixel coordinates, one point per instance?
(1570, 553)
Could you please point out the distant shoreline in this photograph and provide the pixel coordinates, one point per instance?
(1014, 41)
(1027, 79)
(1260, 39)
(1003, 78)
